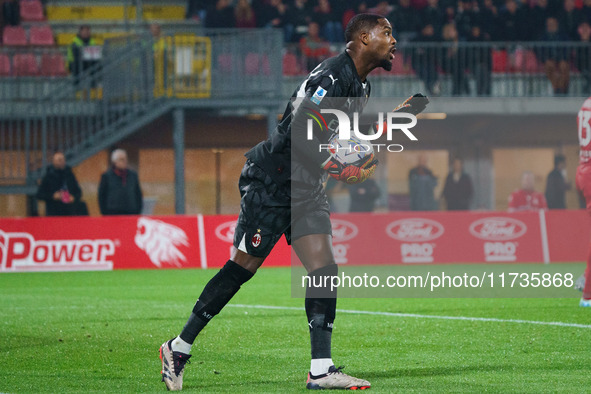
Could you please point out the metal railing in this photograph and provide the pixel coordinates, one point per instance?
(136, 81)
(498, 69)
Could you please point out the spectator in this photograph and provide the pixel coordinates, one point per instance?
(382, 8)
(513, 23)
(196, 9)
(313, 47)
(479, 61)
(454, 60)
(59, 188)
(220, 15)
(244, 15)
(405, 20)
(555, 57)
(272, 14)
(583, 55)
(457, 191)
(526, 198)
(538, 15)
(586, 11)
(465, 18)
(488, 20)
(119, 191)
(424, 60)
(329, 21)
(11, 12)
(556, 184)
(432, 15)
(298, 18)
(364, 196)
(80, 60)
(569, 19)
(421, 185)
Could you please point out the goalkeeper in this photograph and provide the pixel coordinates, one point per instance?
(282, 194)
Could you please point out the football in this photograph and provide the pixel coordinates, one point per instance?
(353, 151)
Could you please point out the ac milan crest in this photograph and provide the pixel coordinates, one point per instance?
(256, 239)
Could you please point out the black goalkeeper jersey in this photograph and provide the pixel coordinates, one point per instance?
(288, 156)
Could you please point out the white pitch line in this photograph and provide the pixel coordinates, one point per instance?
(418, 316)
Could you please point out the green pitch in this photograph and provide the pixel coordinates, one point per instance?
(100, 332)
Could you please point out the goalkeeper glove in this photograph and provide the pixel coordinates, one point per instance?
(414, 104)
(351, 174)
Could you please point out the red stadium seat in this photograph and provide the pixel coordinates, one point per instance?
(25, 64)
(4, 65)
(41, 35)
(31, 11)
(499, 61)
(256, 64)
(53, 65)
(291, 65)
(14, 35)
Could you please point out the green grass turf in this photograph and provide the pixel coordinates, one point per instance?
(100, 332)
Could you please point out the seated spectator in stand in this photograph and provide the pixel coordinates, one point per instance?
(465, 18)
(479, 61)
(458, 190)
(538, 15)
(220, 15)
(513, 23)
(314, 47)
(197, 9)
(527, 198)
(583, 55)
(364, 196)
(382, 8)
(422, 182)
(424, 60)
(586, 11)
(405, 20)
(330, 21)
(432, 15)
(244, 15)
(59, 188)
(119, 192)
(11, 13)
(298, 17)
(569, 19)
(453, 60)
(79, 60)
(555, 57)
(488, 20)
(556, 184)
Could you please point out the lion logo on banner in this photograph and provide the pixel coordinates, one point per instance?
(161, 241)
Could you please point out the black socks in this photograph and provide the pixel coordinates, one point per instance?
(321, 305)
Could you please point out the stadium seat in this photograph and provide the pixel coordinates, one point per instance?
(256, 64)
(4, 65)
(291, 65)
(14, 35)
(25, 64)
(41, 35)
(53, 65)
(499, 60)
(225, 63)
(31, 11)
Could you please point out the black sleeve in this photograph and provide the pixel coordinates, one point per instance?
(102, 194)
(323, 91)
(554, 188)
(139, 196)
(45, 191)
(74, 187)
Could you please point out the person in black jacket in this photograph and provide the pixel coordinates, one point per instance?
(556, 184)
(59, 188)
(119, 191)
(458, 190)
(364, 196)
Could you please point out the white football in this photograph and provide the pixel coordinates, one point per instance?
(352, 151)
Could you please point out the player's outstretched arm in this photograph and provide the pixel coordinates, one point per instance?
(414, 104)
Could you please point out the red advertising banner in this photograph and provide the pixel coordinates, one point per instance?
(105, 243)
(437, 237)
(568, 235)
(133, 242)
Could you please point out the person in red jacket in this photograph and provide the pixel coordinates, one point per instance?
(527, 198)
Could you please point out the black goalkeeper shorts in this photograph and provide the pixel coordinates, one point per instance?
(266, 213)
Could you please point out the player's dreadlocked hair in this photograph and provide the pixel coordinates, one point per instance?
(359, 23)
